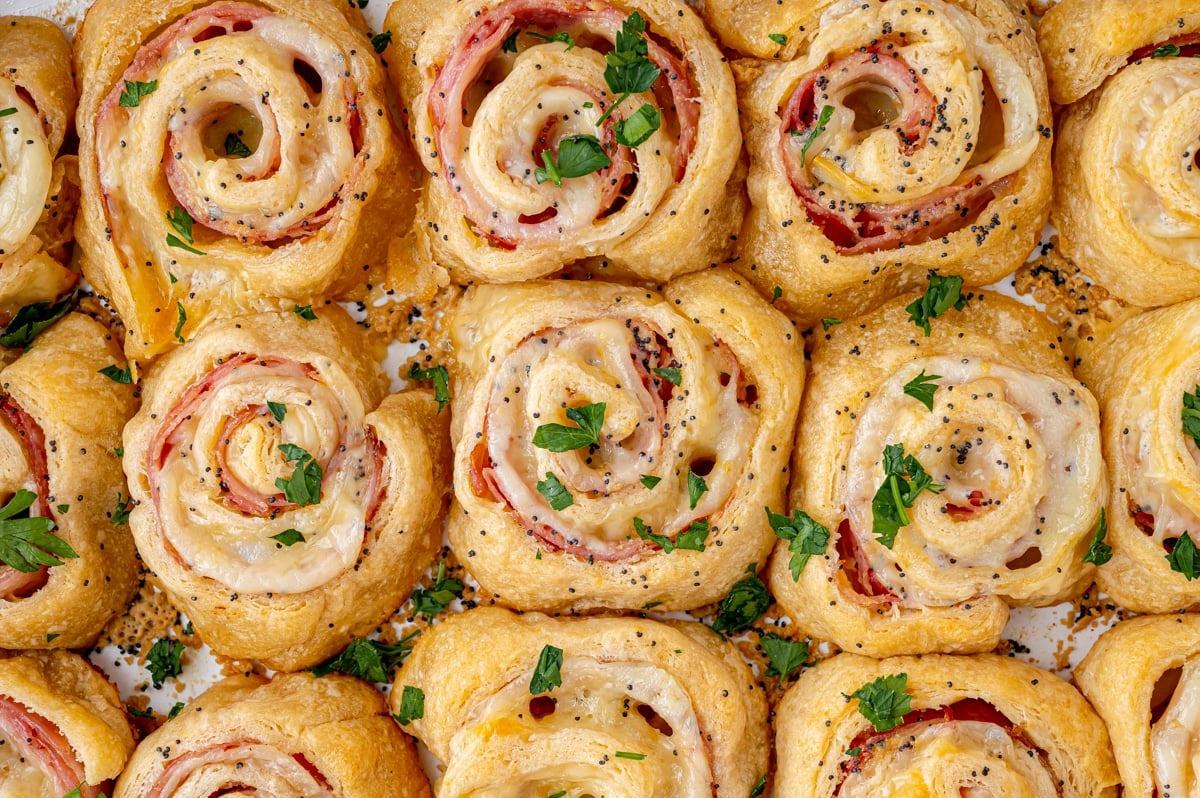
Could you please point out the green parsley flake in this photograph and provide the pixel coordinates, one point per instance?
(134, 91)
(940, 295)
(805, 537)
(578, 155)
(548, 673)
(922, 388)
(369, 660)
(885, 701)
(554, 492)
(1183, 558)
(441, 382)
(561, 438)
(744, 605)
(26, 542)
(289, 537)
(430, 602)
(164, 660)
(1098, 551)
(412, 705)
(785, 656)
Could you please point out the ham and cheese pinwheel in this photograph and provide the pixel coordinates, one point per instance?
(295, 737)
(885, 138)
(67, 561)
(615, 446)
(234, 156)
(1127, 184)
(939, 726)
(38, 187)
(1147, 377)
(62, 727)
(595, 706)
(283, 503)
(558, 132)
(956, 474)
(1143, 678)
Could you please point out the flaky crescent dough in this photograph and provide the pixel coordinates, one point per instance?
(60, 428)
(206, 456)
(1140, 375)
(484, 101)
(983, 721)
(643, 708)
(294, 736)
(302, 202)
(62, 724)
(886, 138)
(1013, 438)
(1127, 190)
(527, 354)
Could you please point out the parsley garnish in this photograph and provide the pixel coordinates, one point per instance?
(289, 537)
(26, 543)
(369, 660)
(1183, 557)
(630, 755)
(639, 126)
(175, 710)
(693, 538)
(1165, 51)
(1098, 551)
(785, 655)
(441, 382)
(548, 673)
(671, 375)
(827, 323)
(578, 155)
(776, 293)
(182, 221)
(649, 481)
(63, 509)
(380, 41)
(759, 787)
(1191, 414)
(412, 705)
(305, 312)
(561, 438)
(697, 487)
(182, 320)
(806, 537)
(558, 794)
(7, 111)
(553, 491)
(561, 36)
(134, 91)
(30, 320)
(510, 44)
(120, 516)
(778, 38)
(744, 605)
(278, 410)
(139, 713)
(437, 598)
(235, 147)
(922, 388)
(942, 294)
(123, 376)
(628, 70)
(164, 660)
(304, 486)
(905, 479)
(815, 131)
(885, 701)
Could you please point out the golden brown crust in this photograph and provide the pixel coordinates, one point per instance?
(817, 724)
(327, 167)
(946, 196)
(1012, 436)
(524, 353)
(81, 413)
(210, 543)
(477, 720)
(339, 726)
(663, 227)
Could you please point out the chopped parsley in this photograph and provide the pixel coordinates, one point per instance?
(1098, 551)
(289, 537)
(904, 480)
(561, 438)
(134, 91)
(441, 382)
(554, 492)
(164, 660)
(123, 376)
(305, 312)
(671, 375)
(805, 537)
(31, 320)
(578, 155)
(885, 701)
(182, 222)
(235, 147)
(630, 755)
(1191, 414)
(1183, 557)
(181, 320)
(120, 516)
(639, 126)
(784, 655)
(1165, 51)
(548, 673)
(412, 705)
(697, 487)
(370, 660)
(304, 485)
(940, 295)
(380, 41)
(437, 598)
(778, 38)
(649, 481)
(922, 388)
(26, 542)
(814, 132)
(693, 538)
(744, 605)
(628, 69)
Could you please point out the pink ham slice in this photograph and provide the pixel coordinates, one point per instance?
(14, 583)
(40, 740)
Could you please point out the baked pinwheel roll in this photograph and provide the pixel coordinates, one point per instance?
(1141, 676)
(941, 726)
(67, 562)
(1126, 193)
(558, 132)
(294, 736)
(615, 446)
(62, 727)
(886, 138)
(234, 156)
(943, 477)
(593, 706)
(282, 501)
(38, 187)
(1147, 377)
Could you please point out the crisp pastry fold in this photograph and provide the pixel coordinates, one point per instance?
(297, 735)
(235, 156)
(1141, 676)
(38, 186)
(283, 502)
(886, 137)
(638, 707)
(1011, 447)
(1127, 187)
(1143, 375)
(62, 727)
(692, 394)
(60, 429)
(982, 724)
(496, 92)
